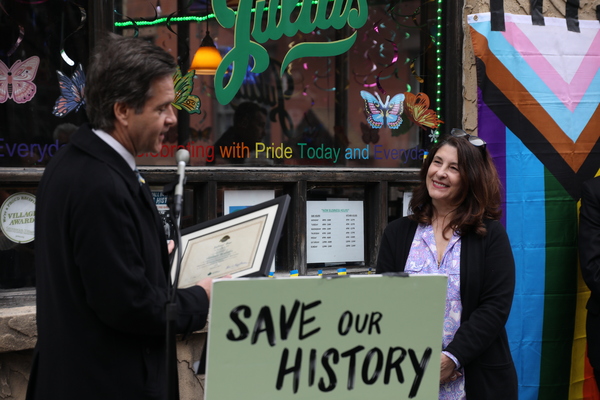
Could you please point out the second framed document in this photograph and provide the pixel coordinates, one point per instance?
(242, 243)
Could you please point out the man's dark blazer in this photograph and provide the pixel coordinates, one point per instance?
(101, 271)
(589, 258)
(487, 283)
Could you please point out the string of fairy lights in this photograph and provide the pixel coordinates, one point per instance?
(164, 20)
(438, 60)
(186, 18)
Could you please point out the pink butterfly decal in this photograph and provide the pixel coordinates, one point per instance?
(16, 82)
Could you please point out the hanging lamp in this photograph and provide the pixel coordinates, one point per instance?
(207, 57)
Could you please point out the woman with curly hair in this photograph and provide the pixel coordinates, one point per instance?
(454, 230)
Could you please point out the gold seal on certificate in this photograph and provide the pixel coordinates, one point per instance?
(242, 243)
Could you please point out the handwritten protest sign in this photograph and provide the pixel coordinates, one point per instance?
(357, 337)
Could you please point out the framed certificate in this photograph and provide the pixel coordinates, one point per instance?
(242, 243)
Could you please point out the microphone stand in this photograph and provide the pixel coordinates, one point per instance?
(171, 306)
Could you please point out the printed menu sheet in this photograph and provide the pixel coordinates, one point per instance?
(335, 231)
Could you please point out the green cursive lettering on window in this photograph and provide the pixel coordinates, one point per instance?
(341, 13)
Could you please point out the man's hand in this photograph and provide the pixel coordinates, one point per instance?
(206, 284)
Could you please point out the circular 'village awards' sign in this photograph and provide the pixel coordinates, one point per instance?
(17, 217)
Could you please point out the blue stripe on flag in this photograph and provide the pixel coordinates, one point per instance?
(526, 227)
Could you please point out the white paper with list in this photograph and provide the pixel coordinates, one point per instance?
(335, 231)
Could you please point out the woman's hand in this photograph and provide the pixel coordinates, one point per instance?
(448, 372)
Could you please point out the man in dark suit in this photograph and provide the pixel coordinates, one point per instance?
(101, 255)
(589, 258)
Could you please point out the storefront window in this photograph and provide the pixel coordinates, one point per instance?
(314, 112)
(42, 46)
(345, 110)
(374, 105)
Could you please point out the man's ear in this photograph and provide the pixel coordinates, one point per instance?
(122, 112)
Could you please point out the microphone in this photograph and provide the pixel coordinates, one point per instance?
(183, 157)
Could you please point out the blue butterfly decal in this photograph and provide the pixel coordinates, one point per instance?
(71, 92)
(380, 114)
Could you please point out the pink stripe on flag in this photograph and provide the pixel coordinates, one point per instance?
(569, 93)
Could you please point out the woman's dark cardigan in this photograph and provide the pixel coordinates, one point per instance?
(487, 282)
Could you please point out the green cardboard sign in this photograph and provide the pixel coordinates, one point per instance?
(354, 337)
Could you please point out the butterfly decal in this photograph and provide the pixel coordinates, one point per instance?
(184, 99)
(369, 135)
(417, 110)
(200, 134)
(71, 92)
(380, 114)
(16, 82)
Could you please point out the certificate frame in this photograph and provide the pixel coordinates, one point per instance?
(240, 244)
